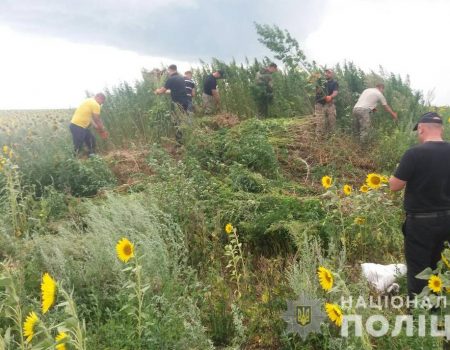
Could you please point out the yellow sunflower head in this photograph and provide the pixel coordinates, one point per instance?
(374, 180)
(29, 326)
(325, 278)
(359, 221)
(334, 313)
(327, 181)
(61, 339)
(125, 250)
(364, 189)
(435, 283)
(347, 190)
(229, 228)
(48, 292)
(5, 149)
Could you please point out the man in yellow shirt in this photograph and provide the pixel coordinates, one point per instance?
(88, 113)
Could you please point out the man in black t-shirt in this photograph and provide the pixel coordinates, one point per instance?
(211, 98)
(175, 83)
(425, 172)
(324, 108)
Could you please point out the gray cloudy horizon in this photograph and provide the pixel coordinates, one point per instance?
(63, 48)
(187, 30)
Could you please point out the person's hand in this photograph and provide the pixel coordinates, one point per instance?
(394, 116)
(328, 99)
(103, 134)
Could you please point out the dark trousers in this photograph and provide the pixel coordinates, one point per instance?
(424, 242)
(190, 106)
(82, 136)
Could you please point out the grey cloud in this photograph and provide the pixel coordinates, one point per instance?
(188, 29)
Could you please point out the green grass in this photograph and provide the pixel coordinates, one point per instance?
(262, 176)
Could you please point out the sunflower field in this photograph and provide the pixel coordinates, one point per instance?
(203, 245)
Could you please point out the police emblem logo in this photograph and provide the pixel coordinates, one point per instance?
(303, 315)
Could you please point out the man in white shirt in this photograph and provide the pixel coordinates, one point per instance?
(366, 105)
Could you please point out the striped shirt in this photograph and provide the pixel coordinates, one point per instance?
(190, 85)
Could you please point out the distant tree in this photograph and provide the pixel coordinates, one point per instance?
(283, 45)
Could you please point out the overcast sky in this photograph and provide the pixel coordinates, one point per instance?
(54, 50)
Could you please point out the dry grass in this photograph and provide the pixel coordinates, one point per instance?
(307, 151)
(129, 165)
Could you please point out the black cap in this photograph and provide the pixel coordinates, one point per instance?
(430, 117)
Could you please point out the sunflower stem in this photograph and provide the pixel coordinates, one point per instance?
(140, 300)
(241, 255)
(79, 330)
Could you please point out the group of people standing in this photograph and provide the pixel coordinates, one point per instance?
(183, 89)
(325, 109)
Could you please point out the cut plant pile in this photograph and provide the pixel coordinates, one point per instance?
(306, 151)
(129, 166)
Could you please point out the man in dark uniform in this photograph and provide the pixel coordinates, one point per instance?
(324, 109)
(425, 172)
(263, 89)
(211, 97)
(176, 84)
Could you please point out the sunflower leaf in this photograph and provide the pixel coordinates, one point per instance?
(71, 322)
(425, 274)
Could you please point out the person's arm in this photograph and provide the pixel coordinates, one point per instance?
(94, 123)
(193, 93)
(165, 88)
(97, 122)
(396, 184)
(160, 91)
(335, 92)
(404, 172)
(390, 111)
(385, 105)
(99, 127)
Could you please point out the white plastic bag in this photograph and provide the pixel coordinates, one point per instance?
(382, 277)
